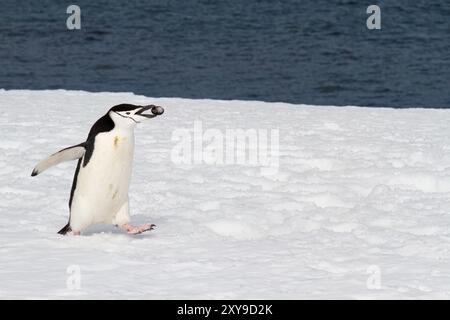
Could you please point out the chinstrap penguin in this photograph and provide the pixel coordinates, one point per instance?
(100, 185)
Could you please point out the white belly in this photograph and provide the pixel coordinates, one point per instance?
(102, 185)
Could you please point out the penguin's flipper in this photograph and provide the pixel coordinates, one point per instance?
(70, 153)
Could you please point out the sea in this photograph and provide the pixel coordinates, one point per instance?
(316, 52)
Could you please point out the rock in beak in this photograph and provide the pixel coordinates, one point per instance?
(155, 110)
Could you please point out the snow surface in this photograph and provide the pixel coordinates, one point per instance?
(358, 191)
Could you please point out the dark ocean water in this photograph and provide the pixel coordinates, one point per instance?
(313, 52)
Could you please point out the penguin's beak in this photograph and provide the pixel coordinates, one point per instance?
(155, 110)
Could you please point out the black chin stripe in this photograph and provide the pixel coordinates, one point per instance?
(125, 117)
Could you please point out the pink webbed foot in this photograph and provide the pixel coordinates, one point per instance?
(76, 233)
(130, 229)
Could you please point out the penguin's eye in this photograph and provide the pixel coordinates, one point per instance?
(128, 113)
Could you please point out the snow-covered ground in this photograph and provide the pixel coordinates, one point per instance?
(359, 207)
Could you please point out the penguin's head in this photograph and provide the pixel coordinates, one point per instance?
(130, 114)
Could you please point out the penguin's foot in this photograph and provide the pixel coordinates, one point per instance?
(76, 233)
(130, 229)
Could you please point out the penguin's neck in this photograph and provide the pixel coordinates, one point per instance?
(123, 130)
(122, 140)
(124, 126)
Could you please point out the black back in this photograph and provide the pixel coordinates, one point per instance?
(74, 183)
(104, 124)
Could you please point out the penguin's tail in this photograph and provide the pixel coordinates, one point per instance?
(65, 229)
